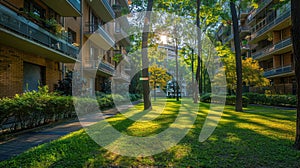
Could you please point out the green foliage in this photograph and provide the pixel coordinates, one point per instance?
(273, 100)
(252, 73)
(35, 108)
(230, 99)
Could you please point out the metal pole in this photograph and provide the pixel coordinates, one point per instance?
(193, 78)
(176, 56)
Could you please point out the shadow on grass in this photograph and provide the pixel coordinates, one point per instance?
(257, 137)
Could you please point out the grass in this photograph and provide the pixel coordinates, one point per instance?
(257, 137)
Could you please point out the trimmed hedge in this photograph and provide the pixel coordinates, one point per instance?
(230, 100)
(272, 100)
(35, 108)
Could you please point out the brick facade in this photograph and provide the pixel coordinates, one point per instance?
(11, 70)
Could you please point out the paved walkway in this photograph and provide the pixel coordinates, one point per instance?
(24, 141)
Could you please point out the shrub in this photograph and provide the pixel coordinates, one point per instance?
(273, 100)
(230, 100)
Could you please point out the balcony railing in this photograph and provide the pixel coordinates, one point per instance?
(272, 48)
(278, 71)
(105, 37)
(102, 9)
(283, 44)
(262, 5)
(262, 52)
(106, 67)
(31, 31)
(275, 22)
(230, 37)
(244, 29)
(109, 8)
(76, 4)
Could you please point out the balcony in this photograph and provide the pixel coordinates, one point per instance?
(103, 9)
(245, 48)
(229, 38)
(244, 29)
(279, 48)
(262, 5)
(18, 32)
(99, 36)
(279, 71)
(65, 7)
(106, 68)
(277, 23)
(283, 46)
(121, 36)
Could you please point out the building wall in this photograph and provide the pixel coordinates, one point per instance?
(11, 71)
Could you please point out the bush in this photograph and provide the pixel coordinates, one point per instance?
(35, 108)
(230, 100)
(273, 100)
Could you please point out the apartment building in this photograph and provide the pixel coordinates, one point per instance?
(40, 40)
(265, 35)
(271, 44)
(103, 43)
(37, 39)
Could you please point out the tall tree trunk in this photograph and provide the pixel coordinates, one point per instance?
(145, 60)
(198, 71)
(295, 13)
(238, 59)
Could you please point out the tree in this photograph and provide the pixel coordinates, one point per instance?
(145, 60)
(158, 77)
(198, 77)
(239, 83)
(295, 13)
(252, 73)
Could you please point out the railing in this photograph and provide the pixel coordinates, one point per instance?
(19, 25)
(76, 4)
(244, 28)
(272, 48)
(106, 67)
(245, 47)
(273, 23)
(92, 27)
(282, 44)
(263, 4)
(278, 71)
(262, 52)
(109, 8)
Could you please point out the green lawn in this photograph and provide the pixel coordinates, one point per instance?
(257, 137)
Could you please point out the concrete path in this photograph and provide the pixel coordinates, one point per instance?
(24, 141)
